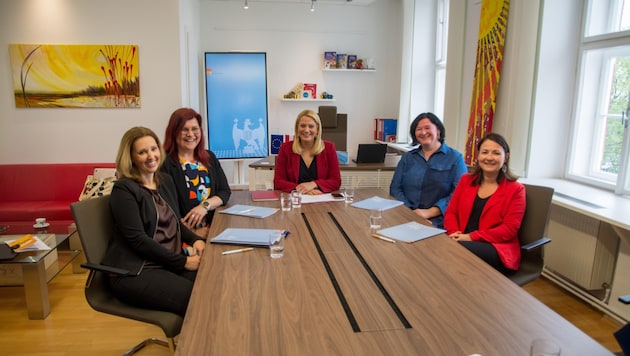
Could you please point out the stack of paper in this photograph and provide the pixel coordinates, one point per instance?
(251, 237)
(377, 203)
(410, 232)
(249, 210)
(320, 198)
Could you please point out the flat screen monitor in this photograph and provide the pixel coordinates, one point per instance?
(236, 104)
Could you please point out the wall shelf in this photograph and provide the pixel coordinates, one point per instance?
(310, 100)
(348, 70)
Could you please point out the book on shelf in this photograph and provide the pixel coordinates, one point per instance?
(342, 61)
(352, 61)
(264, 195)
(253, 211)
(410, 232)
(330, 60)
(247, 237)
(385, 129)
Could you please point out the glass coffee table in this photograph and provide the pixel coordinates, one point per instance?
(34, 269)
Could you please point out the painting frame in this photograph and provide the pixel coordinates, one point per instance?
(75, 75)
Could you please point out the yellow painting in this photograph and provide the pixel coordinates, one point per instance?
(75, 76)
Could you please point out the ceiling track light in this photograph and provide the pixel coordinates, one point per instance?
(246, 6)
(312, 5)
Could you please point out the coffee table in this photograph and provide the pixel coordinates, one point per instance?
(39, 267)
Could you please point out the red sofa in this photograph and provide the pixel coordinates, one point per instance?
(29, 191)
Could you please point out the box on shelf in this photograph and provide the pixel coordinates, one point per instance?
(330, 60)
(343, 157)
(309, 91)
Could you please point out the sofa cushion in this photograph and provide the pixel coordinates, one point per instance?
(29, 210)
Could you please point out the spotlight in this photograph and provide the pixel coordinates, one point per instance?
(246, 6)
(312, 5)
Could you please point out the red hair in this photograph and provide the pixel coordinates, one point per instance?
(174, 128)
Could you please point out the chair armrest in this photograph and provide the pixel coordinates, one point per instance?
(106, 269)
(536, 244)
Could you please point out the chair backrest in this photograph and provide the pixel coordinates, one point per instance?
(533, 225)
(538, 200)
(95, 225)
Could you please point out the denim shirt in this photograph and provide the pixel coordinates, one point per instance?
(422, 184)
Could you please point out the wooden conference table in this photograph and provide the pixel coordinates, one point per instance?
(338, 291)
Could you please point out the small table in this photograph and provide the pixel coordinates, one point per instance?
(35, 275)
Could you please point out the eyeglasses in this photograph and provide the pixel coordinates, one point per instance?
(193, 130)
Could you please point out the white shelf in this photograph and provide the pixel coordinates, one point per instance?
(311, 100)
(348, 70)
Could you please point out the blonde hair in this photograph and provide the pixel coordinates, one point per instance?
(124, 164)
(318, 144)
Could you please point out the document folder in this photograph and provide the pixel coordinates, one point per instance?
(248, 237)
(410, 232)
(249, 210)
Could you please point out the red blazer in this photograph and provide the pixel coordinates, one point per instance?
(500, 219)
(287, 171)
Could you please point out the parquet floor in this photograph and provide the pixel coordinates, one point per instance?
(73, 328)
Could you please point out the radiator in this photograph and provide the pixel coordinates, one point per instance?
(583, 250)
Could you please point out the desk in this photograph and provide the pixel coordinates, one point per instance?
(359, 175)
(428, 298)
(38, 269)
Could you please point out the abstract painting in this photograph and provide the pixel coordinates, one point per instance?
(490, 44)
(75, 76)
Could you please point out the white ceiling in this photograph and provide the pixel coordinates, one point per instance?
(332, 2)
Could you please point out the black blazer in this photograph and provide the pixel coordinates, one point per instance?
(135, 223)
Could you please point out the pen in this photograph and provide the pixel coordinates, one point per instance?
(383, 238)
(246, 211)
(237, 251)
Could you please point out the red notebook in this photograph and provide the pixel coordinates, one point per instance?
(264, 195)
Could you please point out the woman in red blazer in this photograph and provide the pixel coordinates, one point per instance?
(487, 207)
(308, 163)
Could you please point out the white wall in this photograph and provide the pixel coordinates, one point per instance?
(88, 135)
(295, 40)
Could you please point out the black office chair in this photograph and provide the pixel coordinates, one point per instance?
(531, 233)
(95, 226)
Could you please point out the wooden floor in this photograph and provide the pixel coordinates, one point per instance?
(73, 328)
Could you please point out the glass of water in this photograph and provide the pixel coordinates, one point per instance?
(348, 193)
(296, 199)
(376, 218)
(276, 244)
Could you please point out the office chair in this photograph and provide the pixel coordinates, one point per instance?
(95, 226)
(538, 207)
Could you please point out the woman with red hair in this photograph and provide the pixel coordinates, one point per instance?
(201, 183)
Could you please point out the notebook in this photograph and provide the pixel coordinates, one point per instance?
(371, 153)
(264, 195)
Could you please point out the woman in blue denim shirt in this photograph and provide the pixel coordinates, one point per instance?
(427, 175)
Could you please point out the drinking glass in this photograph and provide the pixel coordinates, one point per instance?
(296, 199)
(285, 201)
(376, 218)
(348, 193)
(544, 347)
(276, 244)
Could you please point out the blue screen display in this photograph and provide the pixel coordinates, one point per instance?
(236, 102)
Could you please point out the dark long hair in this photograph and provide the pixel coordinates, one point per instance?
(504, 172)
(434, 119)
(174, 128)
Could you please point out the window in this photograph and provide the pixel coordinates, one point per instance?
(441, 39)
(599, 153)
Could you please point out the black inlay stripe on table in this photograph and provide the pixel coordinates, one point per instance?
(378, 283)
(333, 279)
